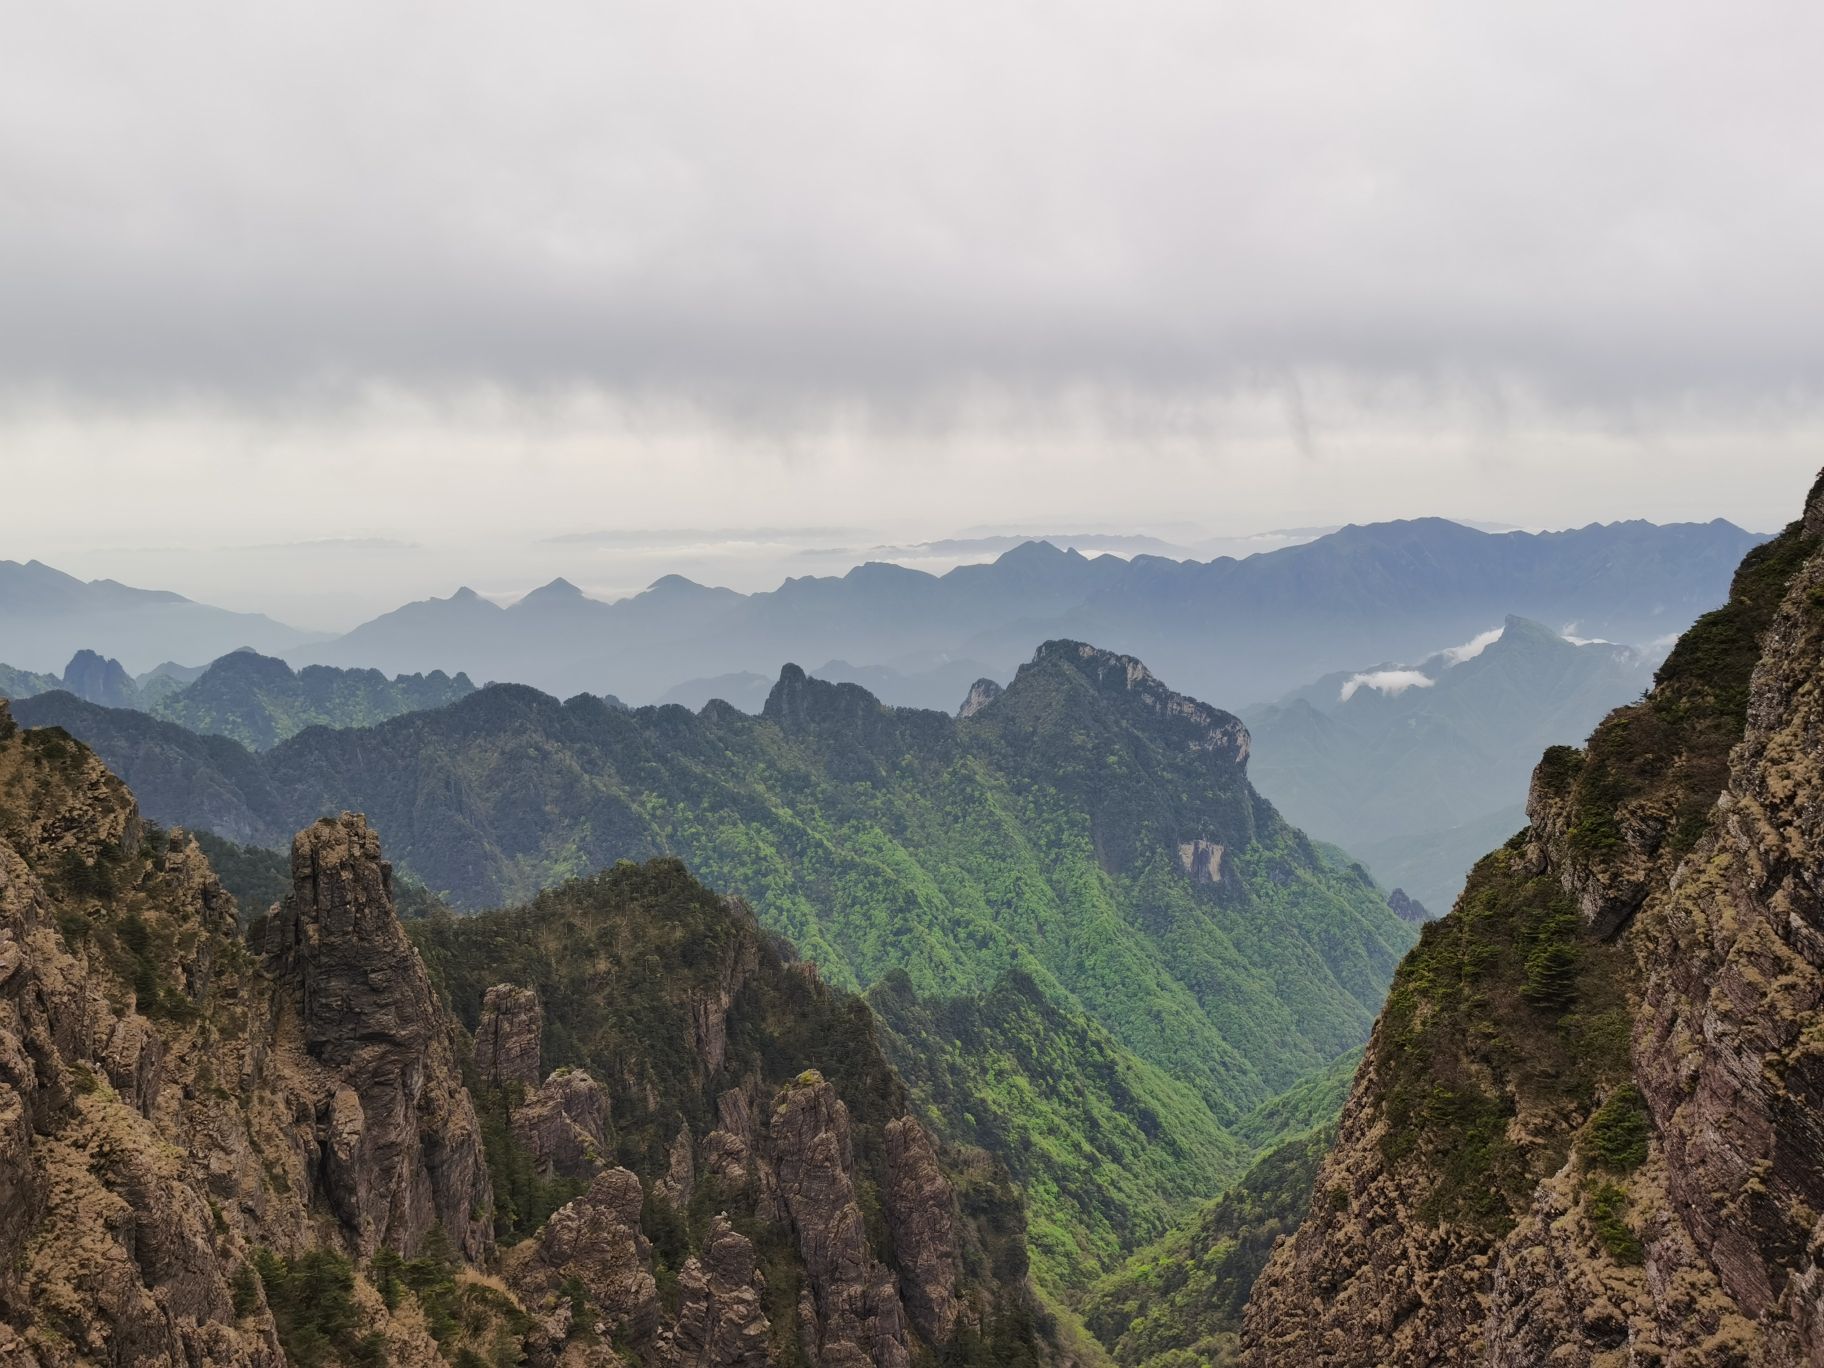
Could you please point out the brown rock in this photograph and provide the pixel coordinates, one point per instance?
(596, 1240)
(855, 1315)
(564, 1125)
(1720, 945)
(507, 1037)
(921, 1216)
(720, 1322)
(402, 1146)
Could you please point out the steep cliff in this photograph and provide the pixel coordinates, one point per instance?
(219, 1149)
(1589, 1128)
(177, 1109)
(729, 1166)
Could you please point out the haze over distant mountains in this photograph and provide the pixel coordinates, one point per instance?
(1412, 767)
(47, 616)
(1238, 631)
(1234, 630)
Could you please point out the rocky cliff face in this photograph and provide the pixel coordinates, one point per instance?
(171, 1103)
(223, 1150)
(401, 1149)
(758, 1190)
(1590, 1126)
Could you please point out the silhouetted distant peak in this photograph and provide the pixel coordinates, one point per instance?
(676, 584)
(1406, 907)
(1035, 551)
(558, 591)
(96, 679)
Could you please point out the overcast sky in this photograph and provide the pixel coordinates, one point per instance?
(315, 307)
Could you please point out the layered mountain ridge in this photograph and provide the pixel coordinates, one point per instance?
(250, 698)
(1234, 629)
(1586, 1130)
(1088, 828)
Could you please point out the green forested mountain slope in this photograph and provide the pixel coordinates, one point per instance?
(1089, 826)
(1110, 1149)
(1089, 829)
(1179, 1302)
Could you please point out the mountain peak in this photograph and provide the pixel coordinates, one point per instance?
(1123, 679)
(559, 590)
(799, 698)
(1033, 550)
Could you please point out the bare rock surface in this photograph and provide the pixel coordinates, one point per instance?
(1672, 1216)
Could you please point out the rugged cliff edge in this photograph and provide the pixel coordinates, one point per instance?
(1589, 1128)
(176, 1106)
(222, 1150)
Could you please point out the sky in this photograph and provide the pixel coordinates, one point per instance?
(314, 308)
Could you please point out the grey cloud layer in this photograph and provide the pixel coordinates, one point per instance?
(735, 200)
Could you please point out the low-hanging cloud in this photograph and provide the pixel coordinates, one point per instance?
(1393, 683)
(1469, 650)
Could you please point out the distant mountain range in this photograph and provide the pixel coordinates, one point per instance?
(1413, 768)
(1087, 834)
(1229, 629)
(47, 616)
(254, 699)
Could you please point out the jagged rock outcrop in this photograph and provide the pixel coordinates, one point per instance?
(401, 1148)
(564, 1125)
(1589, 1129)
(850, 1312)
(1198, 726)
(720, 1322)
(596, 1242)
(921, 1217)
(507, 1040)
(161, 1114)
(563, 1122)
(981, 694)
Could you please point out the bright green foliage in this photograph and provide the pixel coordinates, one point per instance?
(1088, 830)
(1312, 1103)
(258, 700)
(1180, 1301)
(1051, 832)
(1109, 1149)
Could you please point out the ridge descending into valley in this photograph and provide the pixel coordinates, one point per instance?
(1086, 829)
(1588, 1127)
(282, 1148)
